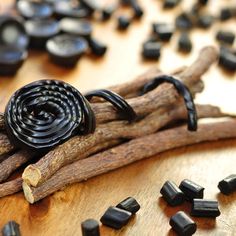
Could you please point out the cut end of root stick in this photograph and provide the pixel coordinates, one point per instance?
(28, 193)
(31, 176)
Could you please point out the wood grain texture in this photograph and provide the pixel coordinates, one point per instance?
(205, 163)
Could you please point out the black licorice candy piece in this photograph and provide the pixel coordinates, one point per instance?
(191, 190)
(184, 21)
(123, 22)
(170, 3)
(225, 37)
(184, 43)
(172, 194)
(228, 185)
(107, 12)
(151, 50)
(33, 9)
(92, 5)
(12, 32)
(227, 59)
(182, 224)
(205, 21)
(163, 31)
(115, 217)
(90, 227)
(11, 229)
(205, 208)
(129, 204)
(97, 47)
(11, 59)
(65, 50)
(226, 13)
(40, 30)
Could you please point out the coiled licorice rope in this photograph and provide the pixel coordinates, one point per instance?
(182, 90)
(124, 109)
(45, 113)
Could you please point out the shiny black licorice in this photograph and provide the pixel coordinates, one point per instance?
(107, 12)
(138, 11)
(184, 21)
(205, 208)
(151, 50)
(129, 204)
(183, 91)
(92, 5)
(184, 43)
(33, 9)
(226, 13)
(115, 217)
(12, 32)
(228, 184)
(45, 113)
(97, 48)
(11, 229)
(90, 227)
(172, 194)
(191, 190)
(66, 50)
(226, 37)
(11, 59)
(182, 224)
(124, 109)
(123, 22)
(163, 31)
(170, 3)
(227, 59)
(205, 21)
(40, 30)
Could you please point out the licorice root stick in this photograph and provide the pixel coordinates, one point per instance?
(5, 145)
(127, 153)
(2, 123)
(11, 187)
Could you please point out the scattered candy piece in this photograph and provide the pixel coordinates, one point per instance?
(170, 3)
(151, 50)
(90, 227)
(11, 229)
(129, 204)
(184, 43)
(228, 185)
(225, 37)
(97, 48)
(163, 31)
(184, 21)
(123, 22)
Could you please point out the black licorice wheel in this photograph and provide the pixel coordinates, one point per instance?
(12, 32)
(40, 30)
(11, 59)
(33, 9)
(45, 113)
(65, 50)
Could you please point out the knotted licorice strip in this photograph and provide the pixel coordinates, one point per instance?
(43, 114)
(125, 110)
(182, 90)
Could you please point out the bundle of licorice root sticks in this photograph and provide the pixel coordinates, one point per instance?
(116, 142)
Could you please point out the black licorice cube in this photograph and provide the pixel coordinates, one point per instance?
(172, 194)
(184, 43)
(97, 47)
(90, 227)
(123, 22)
(226, 37)
(228, 185)
(129, 204)
(205, 208)
(226, 14)
(163, 31)
(182, 224)
(151, 50)
(11, 229)
(184, 21)
(107, 12)
(191, 190)
(170, 3)
(115, 217)
(227, 59)
(205, 21)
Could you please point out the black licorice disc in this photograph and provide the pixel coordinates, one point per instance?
(11, 59)
(12, 32)
(40, 30)
(66, 50)
(32, 9)
(45, 113)
(76, 27)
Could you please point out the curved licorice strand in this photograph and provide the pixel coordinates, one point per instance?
(125, 110)
(182, 90)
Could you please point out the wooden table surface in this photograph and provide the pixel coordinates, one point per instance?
(206, 164)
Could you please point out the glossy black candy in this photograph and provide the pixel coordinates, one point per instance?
(226, 37)
(151, 50)
(227, 59)
(182, 90)
(170, 3)
(45, 113)
(33, 9)
(184, 43)
(138, 11)
(11, 59)
(184, 21)
(191, 190)
(66, 50)
(90, 227)
(172, 194)
(12, 32)
(129, 204)
(205, 208)
(115, 217)
(163, 31)
(228, 184)
(107, 12)
(226, 13)
(205, 21)
(123, 22)
(182, 224)
(124, 109)
(97, 48)
(11, 229)
(92, 5)
(40, 30)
